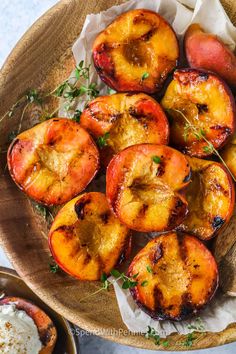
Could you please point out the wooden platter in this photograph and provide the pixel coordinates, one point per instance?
(42, 59)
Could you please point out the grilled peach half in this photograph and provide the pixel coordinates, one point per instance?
(46, 329)
(128, 118)
(210, 198)
(201, 100)
(136, 52)
(177, 276)
(207, 51)
(144, 186)
(53, 161)
(86, 239)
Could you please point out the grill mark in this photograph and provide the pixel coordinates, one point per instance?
(193, 77)
(161, 168)
(112, 117)
(179, 211)
(143, 210)
(105, 216)
(186, 299)
(67, 230)
(117, 195)
(223, 129)
(186, 308)
(202, 108)
(148, 35)
(204, 76)
(157, 254)
(182, 248)
(142, 118)
(217, 186)
(64, 228)
(45, 335)
(79, 208)
(87, 259)
(188, 177)
(217, 222)
(75, 250)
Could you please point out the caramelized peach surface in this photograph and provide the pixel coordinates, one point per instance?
(86, 239)
(210, 197)
(47, 330)
(132, 54)
(53, 161)
(208, 105)
(144, 187)
(128, 118)
(207, 51)
(177, 276)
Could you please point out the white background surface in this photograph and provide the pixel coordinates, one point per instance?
(16, 16)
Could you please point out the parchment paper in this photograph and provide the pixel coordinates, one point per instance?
(212, 17)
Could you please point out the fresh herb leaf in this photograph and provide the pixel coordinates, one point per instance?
(44, 211)
(165, 343)
(189, 340)
(41, 209)
(82, 71)
(105, 282)
(53, 267)
(144, 283)
(149, 269)
(156, 159)
(208, 148)
(198, 325)
(33, 96)
(144, 76)
(76, 116)
(102, 140)
(115, 273)
(125, 284)
(110, 91)
(93, 91)
(135, 275)
(58, 92)
(153, 335)
(103, 277)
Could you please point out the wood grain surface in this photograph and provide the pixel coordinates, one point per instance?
(42, 59)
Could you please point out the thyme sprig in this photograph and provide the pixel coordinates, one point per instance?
(70, 89)
(44, 211)
(31, 96)
(188, 341)
(53, 268)
(198, 325)
(153, 335)
(102, 140)
(201, 135)
(127, 282)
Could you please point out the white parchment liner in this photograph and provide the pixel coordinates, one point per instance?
(212, 17)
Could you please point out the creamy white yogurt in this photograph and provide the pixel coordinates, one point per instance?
(18, 332)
